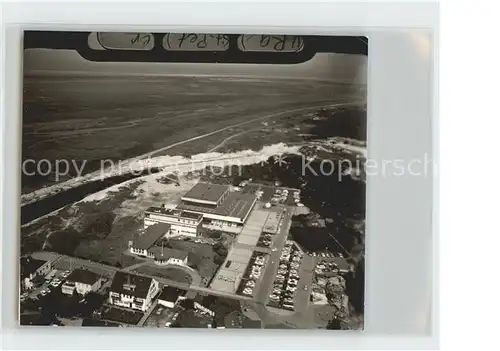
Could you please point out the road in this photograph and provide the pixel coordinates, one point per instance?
(148, 313)
(227, 139)
(63, 262)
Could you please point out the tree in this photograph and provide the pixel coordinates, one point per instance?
(333, 324)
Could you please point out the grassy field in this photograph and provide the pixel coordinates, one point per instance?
(174, 274)
(94, 118)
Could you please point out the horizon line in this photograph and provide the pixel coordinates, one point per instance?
(46, 73)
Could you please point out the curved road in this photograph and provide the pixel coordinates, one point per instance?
(195, 276)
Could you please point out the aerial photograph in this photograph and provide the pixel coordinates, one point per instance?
(222, 189)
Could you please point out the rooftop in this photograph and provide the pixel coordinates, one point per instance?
(206, 192)
(83, 276)
(151, 235)
(130, 284)
(174, 213)
(236, 205)
(165, 253)
(171, 294)
(271, 225)
(30, 265)
(232, 270)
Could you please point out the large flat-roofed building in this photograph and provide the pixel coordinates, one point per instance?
(218, 205)
(206, 194)
(180, 222)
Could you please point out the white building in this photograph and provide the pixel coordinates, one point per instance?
(181, 222)
(68, 288)
(133, 291)
(32, 268)
(170, 296)
(147, 240)
(83, 281)
(164, 256)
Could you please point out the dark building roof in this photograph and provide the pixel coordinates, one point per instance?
(171, 294)
(130, 284)
(166, 253)
(29, 265)
(151, 235)
(207, 192)
(83, 276)
(191, 215)
(236, 205)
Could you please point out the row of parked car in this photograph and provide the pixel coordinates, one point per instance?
(265, 240)
(253, 273)
(280, 196)
(325, 267)
(287, 277)
(326, 254)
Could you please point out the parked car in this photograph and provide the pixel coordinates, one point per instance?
(274, 297)
(250, 283)
(65, 274)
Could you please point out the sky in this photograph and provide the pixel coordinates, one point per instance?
(325, 66)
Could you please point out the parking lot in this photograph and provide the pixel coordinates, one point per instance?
(330, 263)
(273, 194)
(287, 277)
(50, 282)
(163, 317)
(252, 277)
